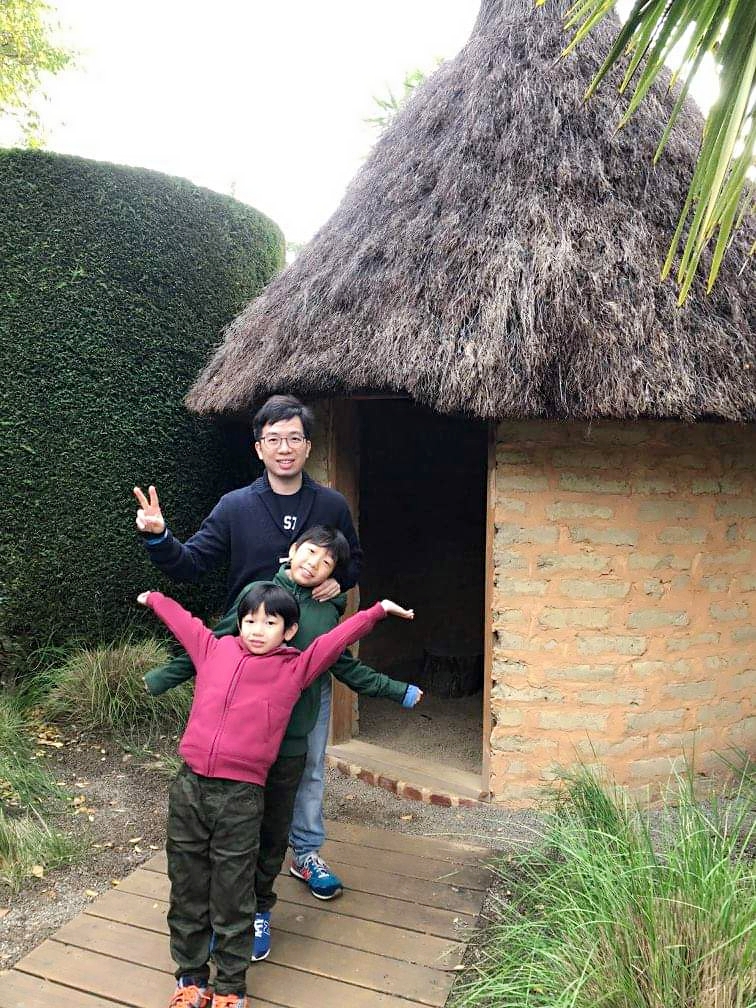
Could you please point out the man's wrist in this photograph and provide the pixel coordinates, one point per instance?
(154, 538)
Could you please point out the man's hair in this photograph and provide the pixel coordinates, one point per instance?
(275, 600)
(331, 538)
(282, 407)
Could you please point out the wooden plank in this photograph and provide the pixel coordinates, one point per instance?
(368, 936)
(338, 852)
(119, 941)
(130, 908)
(380, 762)
(413, 769)
(294, 989)
(419, 984)
(419, 891)
(307, 920)
(488, 631)
(441, 848)
(390, 885)
(135, 902)
(129, 984)
(371, 970)
(21, 990)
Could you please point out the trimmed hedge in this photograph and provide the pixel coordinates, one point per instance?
(115, 285)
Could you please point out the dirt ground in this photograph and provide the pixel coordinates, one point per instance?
(121, 803)
(440, 729)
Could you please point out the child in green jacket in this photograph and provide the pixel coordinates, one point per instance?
(313, 557)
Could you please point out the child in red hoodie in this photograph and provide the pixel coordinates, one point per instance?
(245, 690)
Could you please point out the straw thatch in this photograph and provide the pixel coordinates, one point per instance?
(498, 254)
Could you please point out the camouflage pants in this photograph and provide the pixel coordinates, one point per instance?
(212, 846)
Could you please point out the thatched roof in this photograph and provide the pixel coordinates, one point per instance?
(498, 254)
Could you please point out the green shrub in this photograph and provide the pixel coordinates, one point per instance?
(100, 689)
(618, 910)
(115, 285)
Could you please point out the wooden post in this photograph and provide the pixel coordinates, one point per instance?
(344, 476)
(488, 637)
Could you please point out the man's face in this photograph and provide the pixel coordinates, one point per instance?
(311, 565)
(283, 457)
(261, 632)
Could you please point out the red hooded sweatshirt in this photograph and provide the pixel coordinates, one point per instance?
(243, 702)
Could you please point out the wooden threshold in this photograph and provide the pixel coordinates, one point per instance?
(435, 782)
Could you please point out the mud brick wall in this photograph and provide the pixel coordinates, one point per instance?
(624, 614)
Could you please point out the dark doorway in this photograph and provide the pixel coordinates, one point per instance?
(422, 518)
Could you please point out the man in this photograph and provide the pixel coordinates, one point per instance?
(252, 529)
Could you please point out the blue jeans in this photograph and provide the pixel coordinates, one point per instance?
(307, 833)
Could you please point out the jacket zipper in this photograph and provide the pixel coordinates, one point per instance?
(212, 755)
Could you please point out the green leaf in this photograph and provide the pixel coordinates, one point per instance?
(720, 196)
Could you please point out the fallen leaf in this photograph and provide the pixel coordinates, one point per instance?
(135, 839)
(91, 893)
(38, 871)
(406, 818)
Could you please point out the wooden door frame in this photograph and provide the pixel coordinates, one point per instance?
(488, 592)
(344, 475)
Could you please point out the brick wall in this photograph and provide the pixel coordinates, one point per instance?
(624, 613)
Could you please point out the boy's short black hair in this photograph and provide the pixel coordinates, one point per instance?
(282, 407)
(329, 537)
(275, 600)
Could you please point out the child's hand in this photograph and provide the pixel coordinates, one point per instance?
(149, 517)
(392, 609)
(412, 696)
(142, 598)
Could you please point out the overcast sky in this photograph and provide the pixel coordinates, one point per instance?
(267, 101)
(263, 100)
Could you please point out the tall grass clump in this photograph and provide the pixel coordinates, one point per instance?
(100, 689)
(28, 797)
(609, 912)
(24, 783)
(29, 847)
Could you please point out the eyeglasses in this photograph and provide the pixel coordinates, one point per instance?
(275, 440)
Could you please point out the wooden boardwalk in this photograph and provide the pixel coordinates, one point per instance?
(392, 940)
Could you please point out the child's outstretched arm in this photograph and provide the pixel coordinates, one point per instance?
(187, 629)
(324, 650)
(365, 680)
(180, 669)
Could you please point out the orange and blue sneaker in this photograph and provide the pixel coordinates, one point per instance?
(191, 992)
(230, 1001)
(313, 870)
(261, 946)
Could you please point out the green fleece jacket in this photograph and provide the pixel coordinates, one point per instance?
(315, 618)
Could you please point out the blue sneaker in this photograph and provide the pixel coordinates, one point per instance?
(315, 872)
(261, 946)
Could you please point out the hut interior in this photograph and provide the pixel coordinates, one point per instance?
(422, 518)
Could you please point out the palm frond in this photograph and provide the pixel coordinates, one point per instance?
(721, 193)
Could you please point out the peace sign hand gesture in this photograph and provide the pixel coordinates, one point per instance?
(149, 517)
